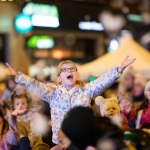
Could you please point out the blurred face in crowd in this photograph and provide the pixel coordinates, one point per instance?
(11, 84)
(129, 81)
(20, 103)
(111, 111)
(147, 93)
(125, 106)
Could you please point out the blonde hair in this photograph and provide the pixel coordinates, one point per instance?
(79, 82)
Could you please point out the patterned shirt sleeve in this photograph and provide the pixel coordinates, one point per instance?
(43, 91)
(97, 86)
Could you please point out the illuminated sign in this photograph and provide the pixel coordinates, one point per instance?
(23, 23)
(40, 42)
(87, 25)
(40, 15)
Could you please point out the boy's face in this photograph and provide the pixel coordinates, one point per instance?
(68, 75)
(111, 111)
(125, 106)
(20, 103)
(147, 93)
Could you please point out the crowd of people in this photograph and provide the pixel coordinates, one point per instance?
(72, 115)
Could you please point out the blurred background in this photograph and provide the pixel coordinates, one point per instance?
(36, 35)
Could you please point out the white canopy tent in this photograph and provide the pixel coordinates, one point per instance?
(127, 47)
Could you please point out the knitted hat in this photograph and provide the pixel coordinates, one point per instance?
(106, 103)
(123, 95)
(129, 136)
(147, 86)
(81, 127)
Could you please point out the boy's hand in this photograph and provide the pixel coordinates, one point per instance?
(126, 62)
(11, 71)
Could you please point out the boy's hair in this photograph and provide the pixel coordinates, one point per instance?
(19, 93)
(41, 146)
(59, 71)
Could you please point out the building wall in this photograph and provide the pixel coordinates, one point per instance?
(16, 53)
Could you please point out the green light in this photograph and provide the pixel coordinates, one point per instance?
(40, 9)
(40, 42)
(134, 17)
(91, 78)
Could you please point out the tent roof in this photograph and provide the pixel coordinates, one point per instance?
(127, 47)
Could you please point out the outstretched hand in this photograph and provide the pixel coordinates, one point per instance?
(125, 63)
(11, 71)
(18, 111)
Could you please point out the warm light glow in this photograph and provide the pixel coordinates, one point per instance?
(57, 54)
(41, 53)
(3, 0)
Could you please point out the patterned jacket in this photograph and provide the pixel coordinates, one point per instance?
(61, 100)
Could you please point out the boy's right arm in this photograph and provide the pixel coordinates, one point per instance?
(40, 89)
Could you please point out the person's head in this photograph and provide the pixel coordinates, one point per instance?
(10, 83)
(108, 107)
(3, 123)
(67, 74)
(125, 102)
(139, 84)
(41, 146)
(20, 98)
(63, 140)
(147, 90)
(81, 127)
(128, 78)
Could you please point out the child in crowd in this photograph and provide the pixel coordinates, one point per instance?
(70, 91)
(21, 101)
(8, 131)
(126, 107)
(109, 108)
(138, 90)
(144, 110)
(127, 81)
